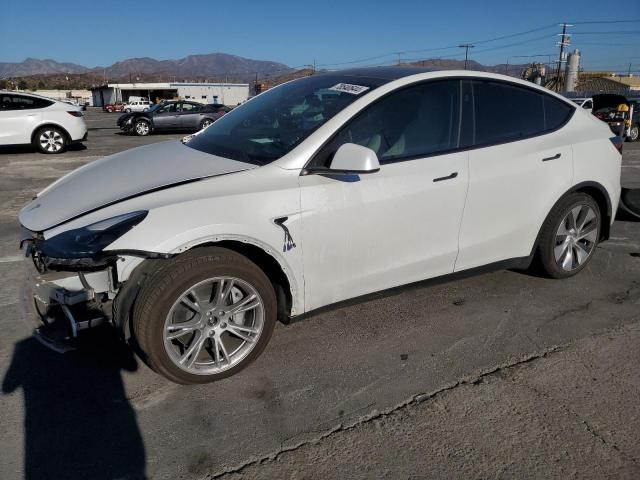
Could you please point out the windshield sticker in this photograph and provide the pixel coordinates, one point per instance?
(349, 88)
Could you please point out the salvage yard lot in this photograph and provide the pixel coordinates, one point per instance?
(341, 383)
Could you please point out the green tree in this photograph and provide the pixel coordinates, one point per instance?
(22, 85)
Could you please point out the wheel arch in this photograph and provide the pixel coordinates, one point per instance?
(50, 124)
(283, 283)
(269, 264)
(596, 191)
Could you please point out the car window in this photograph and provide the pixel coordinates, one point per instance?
(190, 107)
(505, 112)
(168, 108)
(556, 112)
(273, 123)
(22, 102)
(588, 104)
(417, 121)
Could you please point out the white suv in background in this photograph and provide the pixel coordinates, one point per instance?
(137, 106)
(49, 125)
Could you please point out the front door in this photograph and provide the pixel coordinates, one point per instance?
(370, 232)
(166, 118)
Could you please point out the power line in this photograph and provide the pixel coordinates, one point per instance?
(449, 47)
(606, 21)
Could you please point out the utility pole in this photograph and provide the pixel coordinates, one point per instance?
(399, 59)
(629, 73)
(466, 47)
(564, 42)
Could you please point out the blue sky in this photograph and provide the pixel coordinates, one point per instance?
(298, 32)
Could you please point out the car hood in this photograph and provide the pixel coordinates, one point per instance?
(119, 177)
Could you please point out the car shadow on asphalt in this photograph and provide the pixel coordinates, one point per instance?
(18, 149)
(78, 421)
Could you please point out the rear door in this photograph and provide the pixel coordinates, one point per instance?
(19, 117)
(520, 163)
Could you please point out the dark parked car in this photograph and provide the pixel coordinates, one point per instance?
(625, 123)
(172, 115)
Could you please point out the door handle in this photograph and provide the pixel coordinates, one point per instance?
(448, 177)
(555, 157)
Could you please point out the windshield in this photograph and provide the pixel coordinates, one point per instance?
(155, 107)
(273, 123)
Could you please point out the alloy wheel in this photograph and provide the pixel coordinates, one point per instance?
(51, 141)
(576, 237)
(205, 124)
(213, 325)
(142, 128)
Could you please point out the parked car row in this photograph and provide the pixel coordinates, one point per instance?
(51, 126)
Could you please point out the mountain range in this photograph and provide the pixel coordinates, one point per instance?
(212, 64)
(41, 74)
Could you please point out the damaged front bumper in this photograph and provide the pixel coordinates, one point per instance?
(67, 303)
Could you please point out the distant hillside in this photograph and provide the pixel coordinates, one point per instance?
(213, 67)
(34, 66)
(445, 64)
(193, 66)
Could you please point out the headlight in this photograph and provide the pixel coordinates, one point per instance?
(90, 240)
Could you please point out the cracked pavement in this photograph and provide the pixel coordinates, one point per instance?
(503, 365)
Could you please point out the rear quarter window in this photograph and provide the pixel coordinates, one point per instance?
(506, 113)
(556, 112)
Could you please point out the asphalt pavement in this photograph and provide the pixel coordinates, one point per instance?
(504, 374)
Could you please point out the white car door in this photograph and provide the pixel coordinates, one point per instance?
(18, 118)
(364, 233)
(519, 165)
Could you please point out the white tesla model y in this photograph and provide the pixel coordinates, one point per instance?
(322, 189)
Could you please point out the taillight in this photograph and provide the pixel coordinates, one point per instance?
(75, 114)
(617, 142)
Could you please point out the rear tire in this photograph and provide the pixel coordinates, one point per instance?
(50, 140)
(205, 123)
(177, 313)
(569, 236)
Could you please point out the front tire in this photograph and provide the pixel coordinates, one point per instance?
(569, 236)
(142, 128)
(634, 133)
(204, 316)
(50, 140)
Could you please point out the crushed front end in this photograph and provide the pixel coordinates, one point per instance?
(73, 280)
(69, 297)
